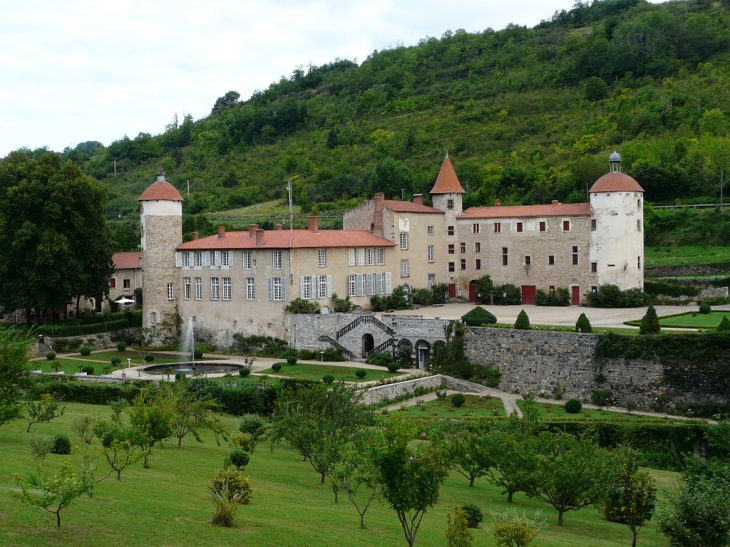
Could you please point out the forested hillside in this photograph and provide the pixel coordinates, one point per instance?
(527, 115)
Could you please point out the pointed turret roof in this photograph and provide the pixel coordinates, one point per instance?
(447, 182)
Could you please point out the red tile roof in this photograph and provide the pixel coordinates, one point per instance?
(160, 190)
(616, 182)
(280, 239)
(447, 182)
(409, 207)
(518, 211)
(127, 261)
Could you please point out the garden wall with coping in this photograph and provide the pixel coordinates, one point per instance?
(379, 394)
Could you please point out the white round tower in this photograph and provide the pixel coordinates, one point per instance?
(617, 229)
(161, 223)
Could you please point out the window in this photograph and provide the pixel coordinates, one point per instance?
(226, 259)
(322, 258)
(551, 289)
(198, 260)
(380, 283)
(127, 283)
(214, 288)
(170, 291)
(594, 267)
(497, 227)
(153, 318)
(371, 256)
(351, 257)
(566, 226)
(520, 227)
(593, 225)
(305, 287)
(594, 289)
(431, 281)
(186, 260)
(360, 285)
(323, 280)
(250, 289)
(361, 257)
(351, 286)
(226, 288)
(477, 247)
(463, 264)
(187, 288)
(551, 260)
(404, 267)
(638, 262)
(452, 267)
(450, 230)
(449, 203)
(206, 258)
(462, 247)
(430, 254)
(113, 283)
(528, 260)
(277, 260)
(247, 260)
(543, 226)
(475, 228)
(451, 248)
(638, 225)
(278, 289)
(478, 264)
(505, 256)
(404, 240)
(198, 288)
(429, 230)
(575, 255)
(638, 203)
(381, 256)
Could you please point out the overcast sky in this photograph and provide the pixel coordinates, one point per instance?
(82, 70)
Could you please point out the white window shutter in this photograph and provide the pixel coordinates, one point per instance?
(218, 258)
(283, 288)
(360, 291)
(301, 286)
(329, 286)
(270, 288)
(178, 260)
(388, 283)
(315, 287)
(370, 289)
(192, 259)
(206, 258)
(231, 254)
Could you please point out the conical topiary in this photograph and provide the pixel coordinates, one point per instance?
(724, 325)
(583, 325)
(523, 322)
(478, 316)
(650, 322)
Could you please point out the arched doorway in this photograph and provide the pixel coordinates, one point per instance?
(423, 353)
(404, 352)
(473, 291)
(368, 343)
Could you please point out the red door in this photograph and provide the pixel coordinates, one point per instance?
(452, 290)
(472, 291)
(576, 295)
(528, 294)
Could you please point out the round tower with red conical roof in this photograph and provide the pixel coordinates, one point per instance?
(161, 223)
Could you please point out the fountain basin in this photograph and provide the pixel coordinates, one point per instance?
(190, 368)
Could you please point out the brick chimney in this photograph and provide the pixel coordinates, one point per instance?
(252, 230)
(260, 236)
(279, 227)
(555, 202)
(221, 232)
(418, 199)
(497, 203)
(313, 224)
(196, 236)
(378, 216)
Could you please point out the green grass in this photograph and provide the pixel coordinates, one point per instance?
(690, 320)
(686, 255)
(556, 412)
(168, 505)
(305, 371)
(474, 407)
(565, 328)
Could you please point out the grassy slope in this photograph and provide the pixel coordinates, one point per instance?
(167, 505)
(686, 255)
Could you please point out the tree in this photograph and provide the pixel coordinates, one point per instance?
(53, 494)
(15, 375)
(54, 241)
(411, 474)
(478, 317)
(457, 531)
(583, 324)
(228, 490)
(44, 410)
(522, 322)
(122, 444)
(227, 100)
(151, 415)
(485, 287)
(631, 495)
(470, 453)
(650, 322)
(191, 412)
(724, 325)
(513, 458)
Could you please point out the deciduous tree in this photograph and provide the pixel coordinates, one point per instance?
(15, 375)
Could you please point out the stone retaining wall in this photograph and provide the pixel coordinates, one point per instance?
(378, 394)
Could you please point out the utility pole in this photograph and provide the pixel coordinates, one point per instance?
(721, 182)
(188, 188)
(115, 167)
(291, 205)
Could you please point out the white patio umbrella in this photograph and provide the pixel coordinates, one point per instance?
(124, 300)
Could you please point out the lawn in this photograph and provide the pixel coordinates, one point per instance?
(565, 328)
(690, 320)
(682, 256)
(306, 371)
(475, 406)
(556, 412)
(101, 359)
(168, 505)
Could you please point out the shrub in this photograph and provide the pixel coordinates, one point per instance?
(422, 297)
(50, 355)
(198, 353)
(276, 367)
(85, 351)
(458, 399)
(116, 361)
(41, 445)
(238, 458)
(610, 296)
(121, 346)
(228, 489)
(393, 366)
(507, 295)
(244, 371)
(301, 306)
(360, 373)
(558, 297)
(523, 322)
(88, 369)
(341, 304)
(510, 528)
(705, 309)
(724, 325)
(474, 515)
(292, 360)
(149, 358)
(328, 378)
(583, 325)
(61, 445)
(573, 406)
(650, 322)
(478, 316)
(602, 397)
(381, 359)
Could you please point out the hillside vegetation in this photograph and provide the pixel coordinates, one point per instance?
(528, 115)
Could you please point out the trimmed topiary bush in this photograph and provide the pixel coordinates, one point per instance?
(573, 406)
(393, 366)
(478, 316)
(360, 373)
(458, 399)
(583, 325)
(198, 353)
(88, 369)
(724, 325)
(149, 358)
(61, 445)
(705, 309)
(244, 371)
(650, 322)
(328, 378)
(523, 322)
(121, 346)
(50, 355)
(292, 359)
(276, 367)
(85, 351)
(116, 361)
(239, 458)
(474, 515)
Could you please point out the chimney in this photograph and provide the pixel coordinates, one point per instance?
(555, 202)
(221, 232)
(260, 236)
(196, 236)
(378, 216)
(160, 175)
(313, 224)
(418, 199)
(497, 203)
(252, 230)
(279, 227)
